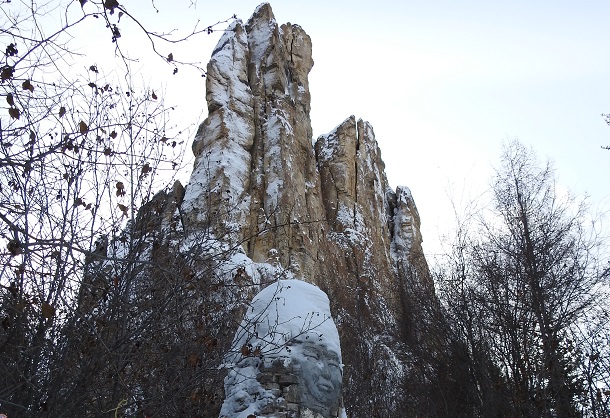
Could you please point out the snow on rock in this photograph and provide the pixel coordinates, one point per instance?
(253, 152)
(405, 223)
(283, 313)
(261, 198)
(286, 355)
(406, 244)
(335, 154)
(326, 211)
(221, 175)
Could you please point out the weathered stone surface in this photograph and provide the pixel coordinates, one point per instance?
(324, 213)
(298, 360)
(223, 143)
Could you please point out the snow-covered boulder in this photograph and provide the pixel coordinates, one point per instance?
(286, 356)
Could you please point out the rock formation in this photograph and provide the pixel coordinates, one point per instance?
(286, 357)
(326, 209)
(264, 203)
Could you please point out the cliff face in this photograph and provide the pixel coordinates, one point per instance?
(322, 211)
(164, 298)
(258, 179)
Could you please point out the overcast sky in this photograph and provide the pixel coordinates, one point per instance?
(444, 83)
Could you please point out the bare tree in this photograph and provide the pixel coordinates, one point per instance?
(523, 283)
(79, 153)
(66, 191)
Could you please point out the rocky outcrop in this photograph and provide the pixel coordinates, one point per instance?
(257, 176)
(264, 202)
(325, 211)
(255, 145)
(286, 357)
(165, 298)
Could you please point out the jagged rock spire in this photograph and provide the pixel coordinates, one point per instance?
(326, 211)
